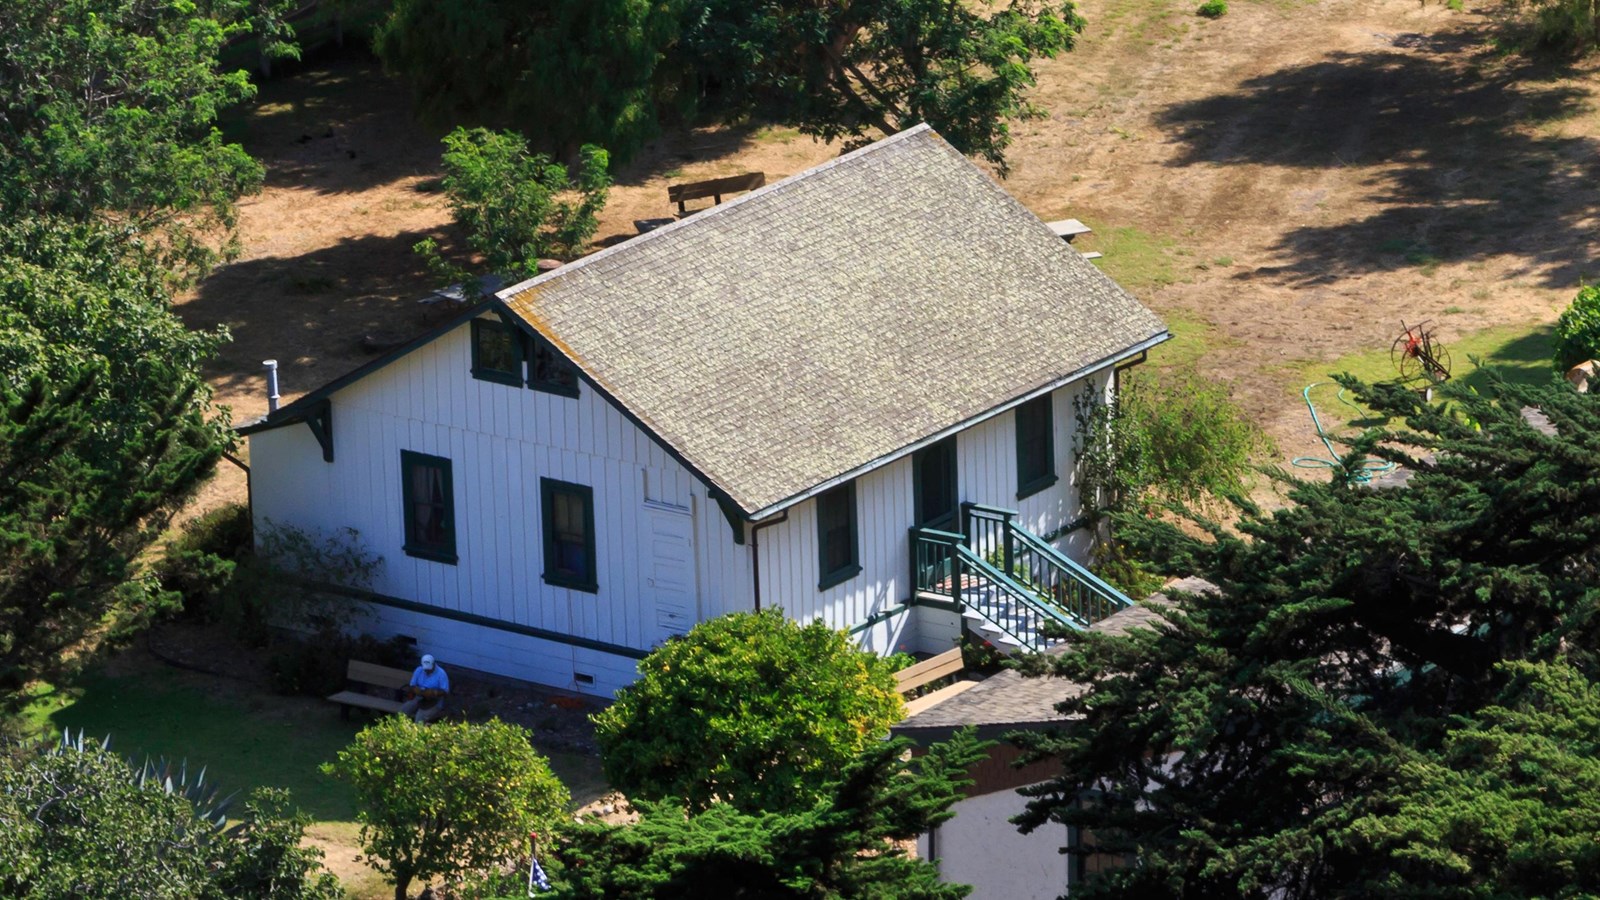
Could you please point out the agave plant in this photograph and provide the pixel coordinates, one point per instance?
(203, 797)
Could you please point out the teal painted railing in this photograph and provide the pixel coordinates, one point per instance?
(1007, 605)
(1010, 576)
(1070, 586)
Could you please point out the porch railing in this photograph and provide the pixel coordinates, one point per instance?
(943, 565)
(1012, 578)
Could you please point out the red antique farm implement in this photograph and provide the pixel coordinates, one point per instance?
(1418, 356)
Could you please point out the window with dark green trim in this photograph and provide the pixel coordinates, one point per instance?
(836, 536)
(430, 513)
(549, 371)
(1036, 446)
(569, 557)
(496, 354)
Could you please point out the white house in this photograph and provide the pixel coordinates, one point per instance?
(750, 407)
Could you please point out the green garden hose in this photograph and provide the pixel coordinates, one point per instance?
(1363, 471)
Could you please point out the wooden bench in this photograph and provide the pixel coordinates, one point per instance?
(715, 188)
(363, 676)
(1067, 229)
(928, 671)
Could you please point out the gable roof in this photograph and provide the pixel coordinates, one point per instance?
(829, 323)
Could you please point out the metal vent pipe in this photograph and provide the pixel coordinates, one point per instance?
(272, 384)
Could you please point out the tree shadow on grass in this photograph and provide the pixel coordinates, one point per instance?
(1459, 153)
(1525, 359)
(311, 311)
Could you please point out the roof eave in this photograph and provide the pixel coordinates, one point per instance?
(303, 405)
(886, 459)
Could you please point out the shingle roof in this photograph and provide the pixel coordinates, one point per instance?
(832, 320)
(1010, 699)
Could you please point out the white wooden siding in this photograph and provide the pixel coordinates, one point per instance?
(500, 441)
(986, 465)
(982, 848)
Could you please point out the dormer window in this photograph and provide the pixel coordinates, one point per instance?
(496, 354)
(549, 370)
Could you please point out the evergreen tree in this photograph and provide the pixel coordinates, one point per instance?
(75, 514)
(846, 845)
(1381, 697)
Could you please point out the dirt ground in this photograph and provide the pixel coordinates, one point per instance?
(1288, 181)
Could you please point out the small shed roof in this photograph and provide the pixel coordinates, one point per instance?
(1009, 699)
(829, 323)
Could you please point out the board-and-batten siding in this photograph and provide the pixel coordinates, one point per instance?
(986, 465)
(500, 440)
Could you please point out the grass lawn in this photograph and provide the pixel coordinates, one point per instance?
(1521, 355)
(245, 738)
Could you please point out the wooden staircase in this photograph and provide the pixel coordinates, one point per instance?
(1011, 587)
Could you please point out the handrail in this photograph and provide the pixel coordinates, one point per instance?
(1037, 611)
(1069, 585)
(991, 510)
(1013, 579)
(1117, 598)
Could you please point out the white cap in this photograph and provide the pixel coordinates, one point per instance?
(427, 661)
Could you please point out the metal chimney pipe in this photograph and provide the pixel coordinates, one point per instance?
(272, 384)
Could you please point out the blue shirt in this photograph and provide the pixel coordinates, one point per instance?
(436, 680)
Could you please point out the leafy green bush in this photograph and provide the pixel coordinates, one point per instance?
(315, 666)
(79, 821)
(201, 562)
(505, 198)
(448, 799)
(749, 709)
(1169, 435)
(1213, 9)
(1578, 329)
(1566, 24)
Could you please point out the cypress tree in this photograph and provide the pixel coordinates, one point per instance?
(1380, 697)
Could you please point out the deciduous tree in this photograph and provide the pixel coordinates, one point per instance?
(564, 72)
(449, 798)
(750, 710)
(108, 110)
(851, 70)
(570, 71)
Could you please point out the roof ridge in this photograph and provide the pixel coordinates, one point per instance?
(898, 137)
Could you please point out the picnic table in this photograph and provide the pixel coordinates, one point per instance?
(1067, 229)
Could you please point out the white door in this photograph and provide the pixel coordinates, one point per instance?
(669, 573)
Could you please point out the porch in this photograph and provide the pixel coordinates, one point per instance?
(1009, 584)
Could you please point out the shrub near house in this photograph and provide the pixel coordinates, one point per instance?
(750, 709)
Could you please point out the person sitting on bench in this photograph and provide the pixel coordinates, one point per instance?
(427, 692)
